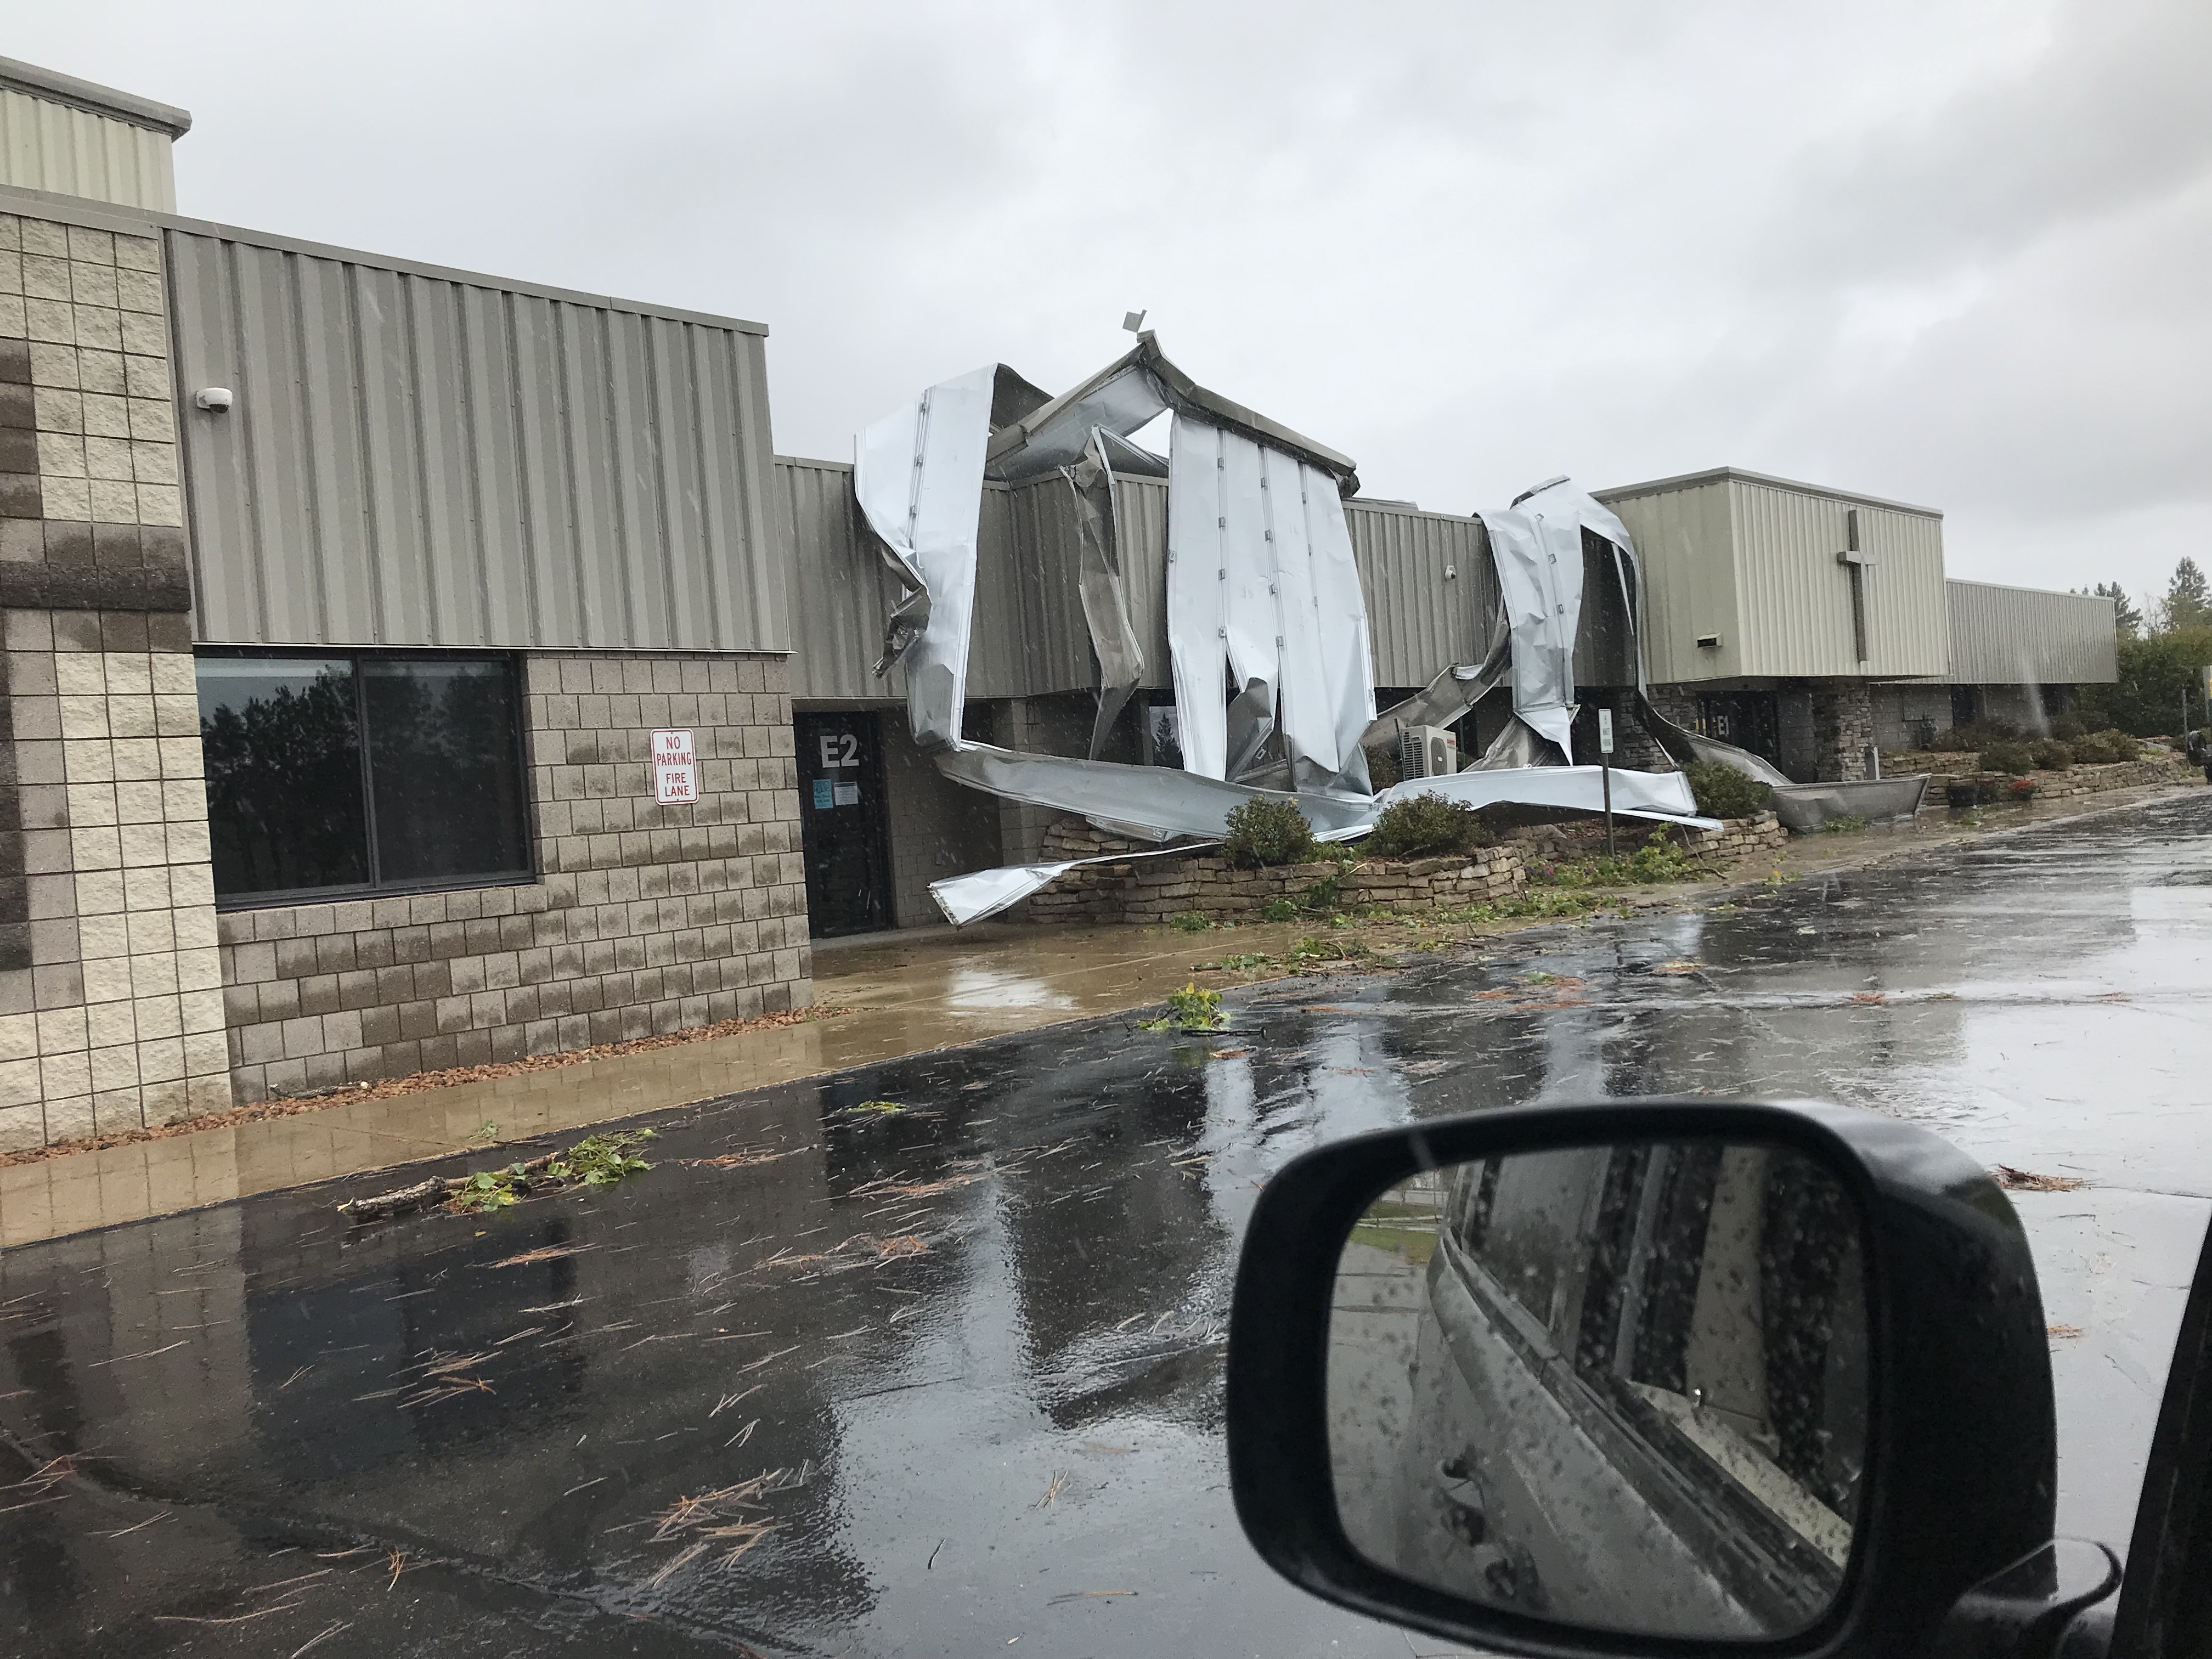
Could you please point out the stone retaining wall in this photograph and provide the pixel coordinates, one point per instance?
(2078, 781)
(1737, 837)
(1157, 890)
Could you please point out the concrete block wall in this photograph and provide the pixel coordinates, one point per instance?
(647, 919)
(110, 1007)
(938, 828)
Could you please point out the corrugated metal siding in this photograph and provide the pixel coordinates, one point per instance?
(1421, 621)
(1142, 505)
(2027, 636)
(73, 152)
(1031, 638)
(418, 459)
(1794, 608)
(841, 592)
(1685, 542)
(1043, 565)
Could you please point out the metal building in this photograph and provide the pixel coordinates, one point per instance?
(409, 668)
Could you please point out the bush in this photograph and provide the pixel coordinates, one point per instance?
(2105, 749)
(2051, 756)
(1264, 832)
(2067, 728)
(1426, 826)
(2013, 757)
(1382, 766)
(1966, 739)
(1278, 909)
(1722, 792)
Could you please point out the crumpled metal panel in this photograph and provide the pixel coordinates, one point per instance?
(1261, 577)
(1105, 603)
(1180, 803)
(918, 475)
(1539, 558)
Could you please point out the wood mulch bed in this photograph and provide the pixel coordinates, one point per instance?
(420, 1082)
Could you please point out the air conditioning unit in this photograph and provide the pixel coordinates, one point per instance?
(1427, 751)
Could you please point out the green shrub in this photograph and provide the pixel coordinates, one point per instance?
(2013, 757)
(1191, 1009)
(2105, 749)
(1264, 832)
(1967, 739)
(1189, 923)
(1426, 826)
(1657, 859)
(2067, 728)
(1279, 909)
(2051, 756)
(1722, 792)
(1847, 824)
(1382, 766)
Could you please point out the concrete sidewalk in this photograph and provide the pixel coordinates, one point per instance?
(907, 993)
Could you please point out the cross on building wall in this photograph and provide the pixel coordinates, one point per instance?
(1857, 563)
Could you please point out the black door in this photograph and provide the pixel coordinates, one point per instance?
(843, 827)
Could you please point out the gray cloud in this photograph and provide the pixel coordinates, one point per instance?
(1950, 252)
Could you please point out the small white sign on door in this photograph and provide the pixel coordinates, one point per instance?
(675, 786)
(673, 749)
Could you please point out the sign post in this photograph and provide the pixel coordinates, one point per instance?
(1605, 770)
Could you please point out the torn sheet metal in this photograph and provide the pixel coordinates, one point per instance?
(1157, 801)
(1098, 577)
(1444, 700)
(1261, 581)
(1657, 797)
(1664, 797)
(918, 476)
(1538, 552)
(983, 894)
(1125, 395)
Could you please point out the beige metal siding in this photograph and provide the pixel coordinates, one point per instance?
(1421, 620)
(1684, 541)
(1141, 505)
(2027, 636)
(416, 458)
(840, 591)
(1795, 599)
(45, 145)
(1048, 648)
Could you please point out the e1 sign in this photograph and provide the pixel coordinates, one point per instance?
(674, 770)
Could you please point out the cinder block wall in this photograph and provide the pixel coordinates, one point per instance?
(110, 1010)
(648, 919)
(938, 828)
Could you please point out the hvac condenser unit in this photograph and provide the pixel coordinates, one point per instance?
(1427, 751)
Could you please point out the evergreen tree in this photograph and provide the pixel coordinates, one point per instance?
(2127, 614)
(2188, 598)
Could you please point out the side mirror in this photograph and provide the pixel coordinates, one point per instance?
(1643, 1377)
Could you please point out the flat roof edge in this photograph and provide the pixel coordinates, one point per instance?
(2021, 587)
(148, 221)
(53, 85)
(1739, 475)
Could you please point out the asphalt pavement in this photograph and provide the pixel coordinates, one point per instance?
(925, 1357)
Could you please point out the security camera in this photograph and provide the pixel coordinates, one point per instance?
(214, 399)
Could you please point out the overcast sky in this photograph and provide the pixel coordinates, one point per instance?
(1955, 252)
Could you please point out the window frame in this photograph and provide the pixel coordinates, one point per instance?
(528, 875)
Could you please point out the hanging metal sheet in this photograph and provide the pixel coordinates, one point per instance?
(918, 475)
(1105, 603)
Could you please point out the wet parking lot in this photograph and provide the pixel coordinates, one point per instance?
(926, 1358)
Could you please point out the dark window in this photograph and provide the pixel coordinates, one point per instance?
(361, 772)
